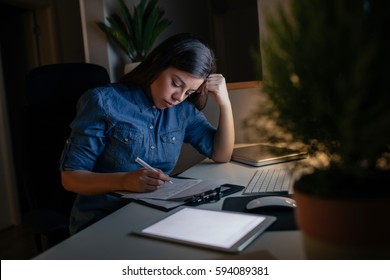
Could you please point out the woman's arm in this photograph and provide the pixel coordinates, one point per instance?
(224, 137)
(91, 183)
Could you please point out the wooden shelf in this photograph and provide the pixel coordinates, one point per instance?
(243, 85)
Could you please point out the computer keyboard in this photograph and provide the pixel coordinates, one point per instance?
(268, 180)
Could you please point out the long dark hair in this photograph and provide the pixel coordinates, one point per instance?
(183, 51)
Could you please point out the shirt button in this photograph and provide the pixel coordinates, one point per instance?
(151, 126)
(173, 138)
(126, 139)
(152, 147)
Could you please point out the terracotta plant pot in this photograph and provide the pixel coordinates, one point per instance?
(344, 228)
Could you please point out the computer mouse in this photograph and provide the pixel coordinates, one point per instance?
(271, 202)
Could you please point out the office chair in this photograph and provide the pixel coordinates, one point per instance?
(52, 94)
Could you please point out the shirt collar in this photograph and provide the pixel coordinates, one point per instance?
(142, 100)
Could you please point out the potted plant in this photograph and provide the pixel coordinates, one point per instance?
(136, 32)
(326, 74)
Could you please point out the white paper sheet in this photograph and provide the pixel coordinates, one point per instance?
(179, 188)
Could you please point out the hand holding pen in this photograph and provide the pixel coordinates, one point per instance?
(147, 166)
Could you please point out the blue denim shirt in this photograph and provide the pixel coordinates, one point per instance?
(113, 126)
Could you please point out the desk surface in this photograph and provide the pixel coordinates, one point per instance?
(111, 238)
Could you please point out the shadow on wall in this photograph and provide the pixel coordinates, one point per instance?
(251, 123)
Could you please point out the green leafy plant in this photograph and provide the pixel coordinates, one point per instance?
(135, 33)
(326, 73)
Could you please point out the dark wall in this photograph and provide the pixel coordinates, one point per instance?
(15, 67)
(230, 27)
(235, 30)
(22, 50)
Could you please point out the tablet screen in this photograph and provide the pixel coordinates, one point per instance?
(224, 230)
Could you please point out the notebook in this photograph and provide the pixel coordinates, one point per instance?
(260, 155)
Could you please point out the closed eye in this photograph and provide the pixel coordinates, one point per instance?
(175, 84)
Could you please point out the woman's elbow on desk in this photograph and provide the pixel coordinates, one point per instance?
(221, 161)
(222, 158)
(222, 152)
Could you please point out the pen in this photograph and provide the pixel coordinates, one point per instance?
(147, 166)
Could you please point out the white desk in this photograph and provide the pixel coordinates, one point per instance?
(111, 237)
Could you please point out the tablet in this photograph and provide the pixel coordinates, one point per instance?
(260, 155)
(218, 230)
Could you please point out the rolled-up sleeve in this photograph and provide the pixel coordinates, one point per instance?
(87, 138)
(199, 132)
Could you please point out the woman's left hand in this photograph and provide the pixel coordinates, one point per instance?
(216, 85)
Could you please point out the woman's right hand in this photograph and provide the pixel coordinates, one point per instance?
(144, 180)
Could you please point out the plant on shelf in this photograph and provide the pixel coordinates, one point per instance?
(135, 33)
(326, 74)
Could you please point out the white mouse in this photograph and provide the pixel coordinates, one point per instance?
(270, 202)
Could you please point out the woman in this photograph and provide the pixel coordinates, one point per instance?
(149, 114)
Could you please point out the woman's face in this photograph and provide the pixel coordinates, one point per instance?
(173, 86)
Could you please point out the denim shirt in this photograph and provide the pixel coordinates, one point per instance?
(113, 126)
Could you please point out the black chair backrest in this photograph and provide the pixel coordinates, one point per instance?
(52, 93)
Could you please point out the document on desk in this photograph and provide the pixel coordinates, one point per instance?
(169, 195)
